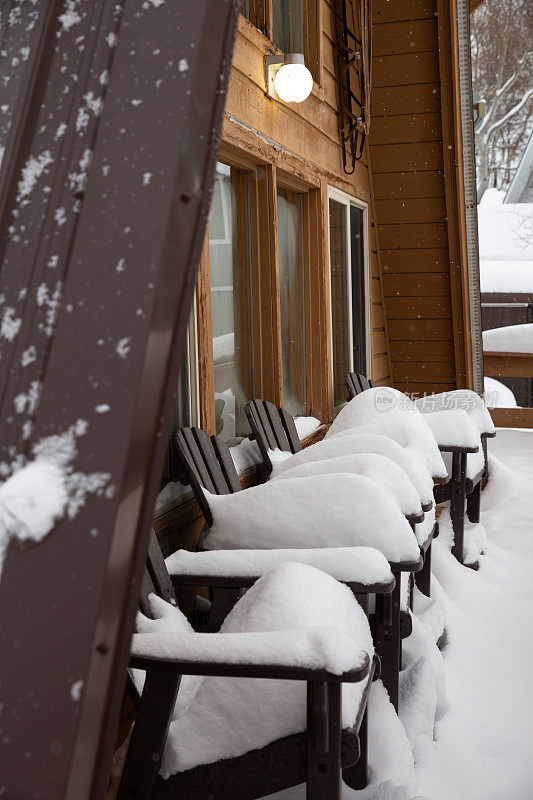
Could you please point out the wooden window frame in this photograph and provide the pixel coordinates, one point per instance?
(266, 313)
(349, 200)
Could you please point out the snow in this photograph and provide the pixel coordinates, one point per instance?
(498, 395)
(510, 339)
(223, 348)
(513, 277)
(454, 427)
(166, 619)
(503, 232)
(466, 712)
(294, 614)
(306, 426)
(390, 412)
(245, 455)
(380, 469)
(350, 564)
(171, 493)
(465, 399)
(31, 500)
(411, 464)
(493, 196)
(318, 511)
(31, 172)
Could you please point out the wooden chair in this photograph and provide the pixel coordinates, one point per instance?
(317, 757)
(459, 490)
(207, 462)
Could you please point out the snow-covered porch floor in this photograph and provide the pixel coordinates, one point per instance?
(467, 711)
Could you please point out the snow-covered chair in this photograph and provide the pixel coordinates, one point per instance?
(274, 430)
(458, 435)
(336, 512)
(204, 730)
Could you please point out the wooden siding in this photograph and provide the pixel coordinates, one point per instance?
(406, 148)
(303, 141)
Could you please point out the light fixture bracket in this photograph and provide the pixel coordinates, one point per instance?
(272, 65)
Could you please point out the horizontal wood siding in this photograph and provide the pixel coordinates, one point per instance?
(406, 153)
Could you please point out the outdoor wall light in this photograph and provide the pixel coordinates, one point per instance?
(288, 78)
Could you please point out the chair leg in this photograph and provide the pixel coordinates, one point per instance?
(324, 741)
(457, 503)
(222, 601)
(473, 504)
(356, 777)
(388, 640)
(423, 577)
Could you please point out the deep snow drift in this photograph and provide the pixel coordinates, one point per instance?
(465, 730)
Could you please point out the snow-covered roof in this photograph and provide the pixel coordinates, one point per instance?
(510, 339)
(505, 231)
(512, 277)
(523, 177)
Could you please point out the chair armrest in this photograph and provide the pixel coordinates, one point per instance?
(313, 654)
(454, 448)
(363, 569)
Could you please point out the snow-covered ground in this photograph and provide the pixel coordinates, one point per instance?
(466, 712)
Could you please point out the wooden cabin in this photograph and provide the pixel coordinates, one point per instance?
(336, 239)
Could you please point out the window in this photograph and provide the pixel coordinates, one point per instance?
(292, 299)
(231, 301)
(288, 25)
(349, 295)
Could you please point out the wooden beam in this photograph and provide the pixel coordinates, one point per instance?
(508, 365)
(512, 417)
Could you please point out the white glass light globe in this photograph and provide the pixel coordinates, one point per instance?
(293, 83)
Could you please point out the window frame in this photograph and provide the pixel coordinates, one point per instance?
(348, 200)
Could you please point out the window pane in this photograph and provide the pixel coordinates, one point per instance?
(340, 300)
(292, 299)
(182, 415)
(358, 289)
(288, 25)
(245, 8)
(231, 301)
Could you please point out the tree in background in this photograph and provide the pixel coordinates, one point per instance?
(501, 42)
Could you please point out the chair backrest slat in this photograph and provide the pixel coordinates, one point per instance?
(223, 455)
(208, 465)
(158, 572)
(272, 428)
(357, 383)
(289, 425)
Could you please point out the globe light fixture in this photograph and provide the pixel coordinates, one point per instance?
(288, 78)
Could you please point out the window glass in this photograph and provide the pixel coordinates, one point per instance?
(340, 300)
(288, 25)
(357, 246)
(231, 300)
(245, 8)
(292, 299)
(348, 294)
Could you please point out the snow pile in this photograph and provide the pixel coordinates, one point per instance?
(498, 395)
(465, 399)
(223, 349)
(465, 713)
(231, 716)
(390, 412)
(361, 443)
(167, 619)
(306, 426)
(455, 428)
(245, 455)
(350, 564)
(510, 339)
(380, 469)
(318, 511)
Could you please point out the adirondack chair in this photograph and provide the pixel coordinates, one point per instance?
(207, 462)
(274, 428)
(462, 492)
(317, 756)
